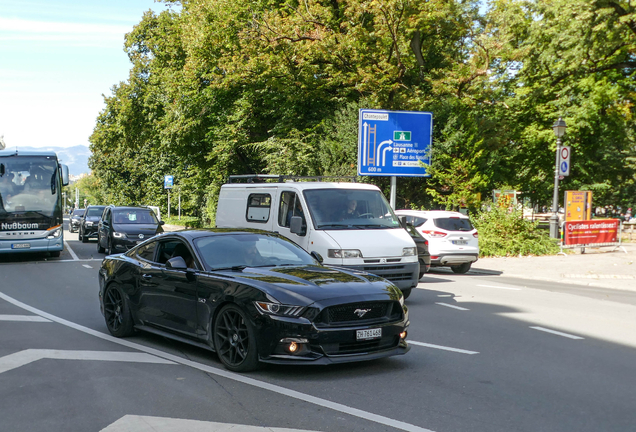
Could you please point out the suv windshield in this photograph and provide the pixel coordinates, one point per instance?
(347, 209)
(134, 216)
(95, 211)
(454, 224)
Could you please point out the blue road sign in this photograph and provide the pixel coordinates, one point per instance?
(394, 143)
(167, 182)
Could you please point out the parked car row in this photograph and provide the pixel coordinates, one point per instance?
(116, 228)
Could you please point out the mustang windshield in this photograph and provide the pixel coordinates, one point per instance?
(29, 185)
(349, 209)
(250, 250)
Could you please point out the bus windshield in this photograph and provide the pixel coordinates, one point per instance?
(29, 184)
(349, 209)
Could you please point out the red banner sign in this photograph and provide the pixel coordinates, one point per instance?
(591, 232)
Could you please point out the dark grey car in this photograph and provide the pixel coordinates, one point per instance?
(89, 222)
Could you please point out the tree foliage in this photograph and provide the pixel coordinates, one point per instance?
(222, 87)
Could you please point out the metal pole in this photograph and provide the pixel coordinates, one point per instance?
(393, 191)
(168, 203)
(554, 219)
(179, 204)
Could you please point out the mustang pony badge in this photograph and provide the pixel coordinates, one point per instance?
(361, 312)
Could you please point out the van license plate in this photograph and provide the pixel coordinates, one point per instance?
(21, 246)
(369, 334)
(460, 242)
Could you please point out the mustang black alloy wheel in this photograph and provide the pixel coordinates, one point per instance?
(116, 312)
(234, 340)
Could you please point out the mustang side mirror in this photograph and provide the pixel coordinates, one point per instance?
(176, 263)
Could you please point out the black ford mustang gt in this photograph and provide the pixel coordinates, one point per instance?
(251, 296)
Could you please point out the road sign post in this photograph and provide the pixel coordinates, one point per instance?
(394, 144)
(168, 182)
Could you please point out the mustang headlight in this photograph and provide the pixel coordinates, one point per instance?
(344, 253)
(409, 251)
(119, 235)
(54, 233)
(268, 308)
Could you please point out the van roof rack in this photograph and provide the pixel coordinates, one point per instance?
(264, 178)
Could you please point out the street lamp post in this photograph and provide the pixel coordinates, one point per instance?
(559, 130)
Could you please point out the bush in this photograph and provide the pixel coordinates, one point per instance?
(186, 221)
(505, 233)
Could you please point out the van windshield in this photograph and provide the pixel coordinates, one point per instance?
(349, 209)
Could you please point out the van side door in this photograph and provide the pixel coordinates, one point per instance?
(289, 205)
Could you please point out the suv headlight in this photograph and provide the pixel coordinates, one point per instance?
(268, 308)
(54, 233)
(119, 235)
(344, 253)
(409, 251)
(89, 223)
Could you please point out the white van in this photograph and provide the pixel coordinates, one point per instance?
(347, 224)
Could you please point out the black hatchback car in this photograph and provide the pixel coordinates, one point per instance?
(121, 228)
(252, 296)
(76, 219)
(89, 222)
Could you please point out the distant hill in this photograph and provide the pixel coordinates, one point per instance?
(75, 157)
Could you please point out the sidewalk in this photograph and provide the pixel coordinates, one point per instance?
(599, 267)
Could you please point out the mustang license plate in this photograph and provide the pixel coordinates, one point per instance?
(369, 334)
(21, 246)
(460, 242)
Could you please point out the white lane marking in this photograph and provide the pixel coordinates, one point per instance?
(452, 306)
(75, 257)
(87, 266)
(227, 374)
(31, 318)
(543, 329)
(500, 287)
(441, 347)
(444, 295)
(164, 424)
(22, 358)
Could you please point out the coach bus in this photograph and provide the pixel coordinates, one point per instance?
(31, 202)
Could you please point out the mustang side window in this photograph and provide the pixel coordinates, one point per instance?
(147, 251)
(258, 208)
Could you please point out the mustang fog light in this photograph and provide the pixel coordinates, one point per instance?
(295, 346)
(403, 334)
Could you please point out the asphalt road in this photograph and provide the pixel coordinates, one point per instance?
(488, 354)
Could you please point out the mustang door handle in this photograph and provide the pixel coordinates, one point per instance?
(146, 276)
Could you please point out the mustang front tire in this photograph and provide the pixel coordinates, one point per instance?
(235, 340)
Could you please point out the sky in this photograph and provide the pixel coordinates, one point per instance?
(57, 60)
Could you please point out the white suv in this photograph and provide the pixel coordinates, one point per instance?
(452, 239)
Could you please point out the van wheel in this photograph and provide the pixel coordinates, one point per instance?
(461, 269)
(406, 292)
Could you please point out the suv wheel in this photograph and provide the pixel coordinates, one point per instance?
(461, 269)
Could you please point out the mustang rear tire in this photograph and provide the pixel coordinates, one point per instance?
(461, 269)
(117, 312)
(235, 340)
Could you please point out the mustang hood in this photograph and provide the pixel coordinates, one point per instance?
(309, 284)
